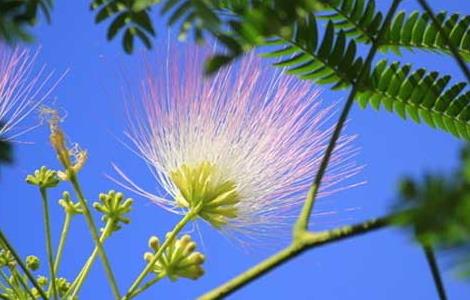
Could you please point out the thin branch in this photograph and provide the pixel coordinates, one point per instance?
(431, 258)
(446, 38)
(22, 266)
(304, 242)
(304, 218)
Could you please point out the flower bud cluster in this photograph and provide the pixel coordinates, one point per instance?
(179, 260)
(7, 259)
(70, 207)
(114, 206)
(44, 178)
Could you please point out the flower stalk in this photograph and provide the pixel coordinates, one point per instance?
(78, 282)
(47, 227)
(146, 286)
(71, 209)
(63, 238)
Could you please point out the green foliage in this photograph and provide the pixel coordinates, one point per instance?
(438, 209)
(290, 30)
(131, 18)
(417, 30)
(419, 95)
(357, 18)
(360, 19)
(5, 152)
(237, 25)
(17, 15)
(331, 60)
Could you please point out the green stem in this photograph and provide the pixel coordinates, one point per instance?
(304, 219)
(431, 258)
(303, 242)
(147, 285)
(28, 274)
(63, 238)
(94, 233)
(13, 288)
(171, 236)
(3, 297)
(78, 282)
(453, 49)
(47, 228)
(22, 282)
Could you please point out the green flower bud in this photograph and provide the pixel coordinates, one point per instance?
(154, 243)
(178, 260)
(44, 178)
(113, 207)
(7, 259)
(148, 256)
(63, 285)
(32, 262)
(69, 206)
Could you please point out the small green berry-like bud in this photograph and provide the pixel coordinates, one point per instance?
(148, 256)
(42, 281)
(178, 260)
(63, 285)
(32, 262)
(44, 178)
(113, 207)
(154, 243)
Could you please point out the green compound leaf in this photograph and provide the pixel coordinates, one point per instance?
(331, 60)
(415, 30)
(129, 18)
(437, 209)
(419, 95)
(16, 17)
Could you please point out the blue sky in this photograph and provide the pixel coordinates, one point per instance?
(382, 265)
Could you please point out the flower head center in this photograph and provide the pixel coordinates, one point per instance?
(201, 189)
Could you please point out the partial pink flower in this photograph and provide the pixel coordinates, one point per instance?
(242, 146)
(23, 88)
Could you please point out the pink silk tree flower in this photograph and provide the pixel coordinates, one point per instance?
(240, 148)
(23, 88)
